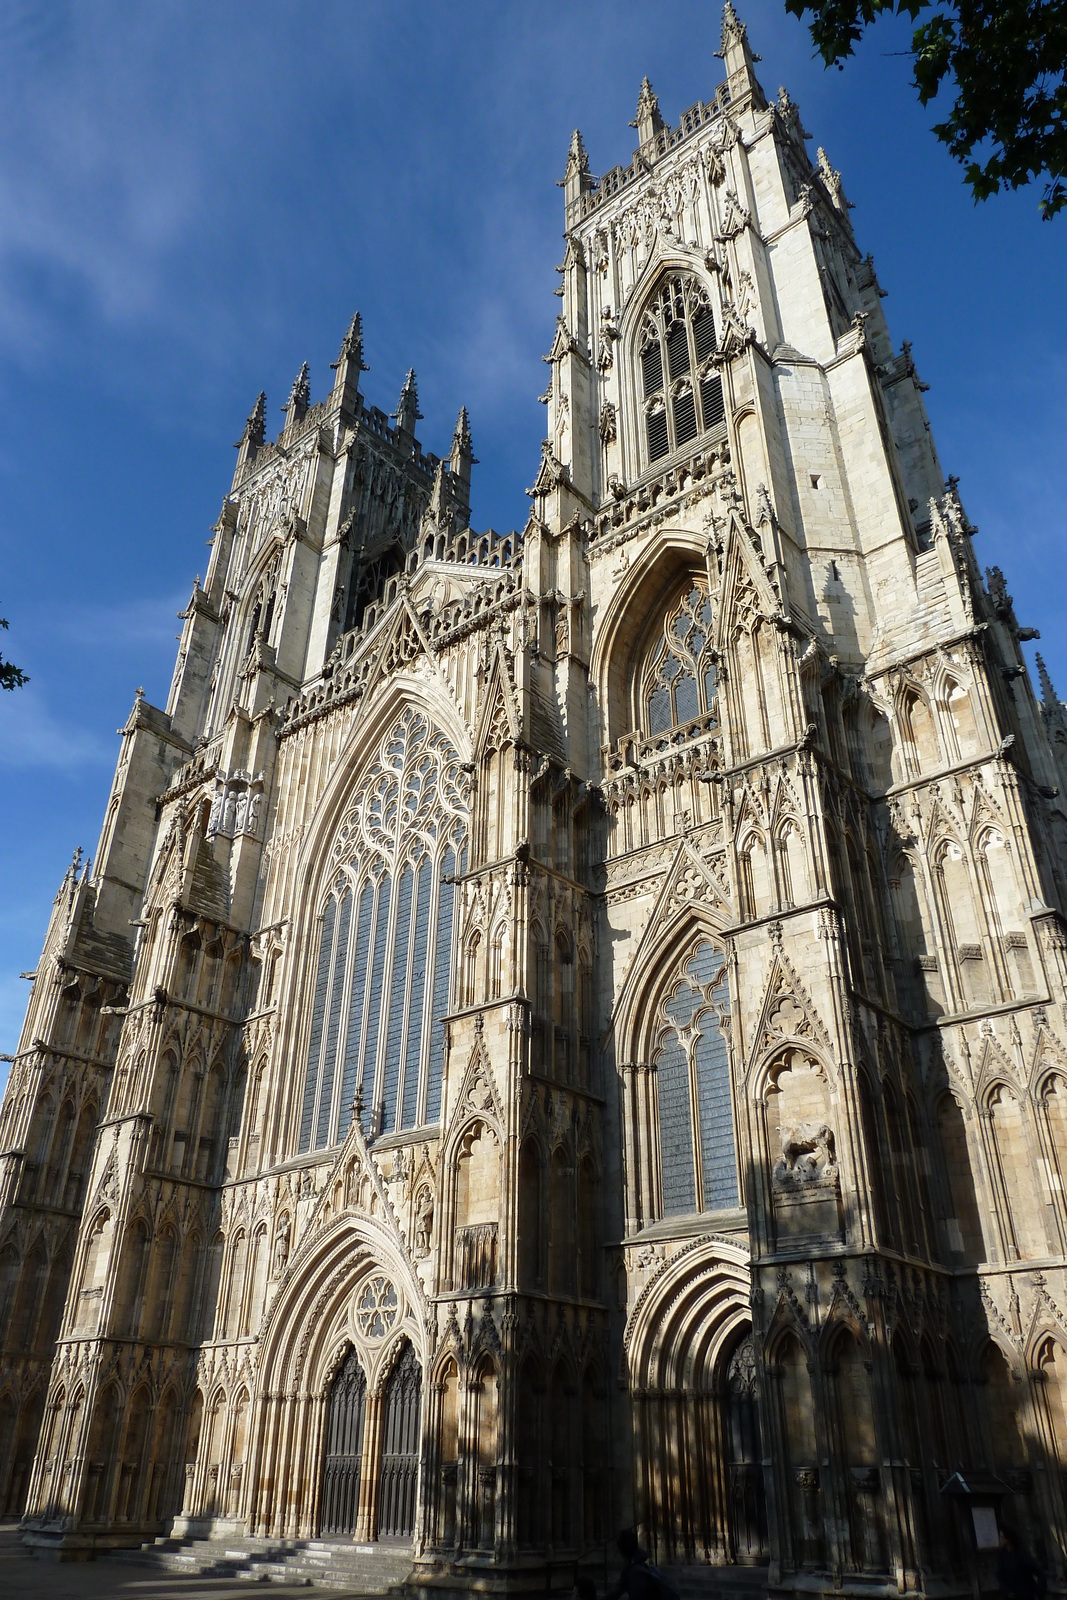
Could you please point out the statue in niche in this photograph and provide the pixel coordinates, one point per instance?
(281, 1246)
(423, 1223)
(807, 1155)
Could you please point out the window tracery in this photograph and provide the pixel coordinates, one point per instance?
(681, 392)
(381, 986)
(678, 684)
(698, 1158)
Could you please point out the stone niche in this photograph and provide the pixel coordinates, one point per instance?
(802, 1144)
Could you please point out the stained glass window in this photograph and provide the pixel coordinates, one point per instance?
(698, 1159)
(385, 949)
(678, 684)
(681, 389)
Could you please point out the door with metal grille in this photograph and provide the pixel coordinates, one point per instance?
(400, 1449)
(345, 1414)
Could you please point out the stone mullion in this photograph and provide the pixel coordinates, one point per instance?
(287, 1508)
(846, 1100)
(906, 1552)
(777, 1489)
(270, 1499)
(506, 1531)
(468, 1506)
(312, 1458)
(834, 1487)
(1053, 1182)
(428, 1510)
(998, 1190)
(370, 1468)
(649, 1092)
(1050, 1485)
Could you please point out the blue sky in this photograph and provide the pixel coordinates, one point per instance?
(195, 197)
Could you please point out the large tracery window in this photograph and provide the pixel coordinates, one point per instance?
(678, 682)
(698, 1158)
(382, 980)
(681, 390)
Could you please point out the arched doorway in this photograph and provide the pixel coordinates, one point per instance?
(342, 1467)
(743, 1449)
(400, 1449)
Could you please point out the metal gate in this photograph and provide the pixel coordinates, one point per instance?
(345, 1413)
(400, 1449)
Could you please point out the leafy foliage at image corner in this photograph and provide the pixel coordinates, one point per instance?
(1008, 63)
(11, 677)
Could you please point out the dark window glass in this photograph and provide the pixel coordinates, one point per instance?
(685, 417)
(711, 401)
(652, 367)
(678, 350)
(658, 444)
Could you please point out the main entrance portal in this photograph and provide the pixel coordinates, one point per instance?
(400, 1450)
(354, 1438)
(345, 1417)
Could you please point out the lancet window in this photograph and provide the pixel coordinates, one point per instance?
(678, 682)
(681, 392)
(381, 986)
(698, 1158)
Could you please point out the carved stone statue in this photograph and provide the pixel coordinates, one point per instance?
(281, 1246)
(423, 1223)
(808, 1155)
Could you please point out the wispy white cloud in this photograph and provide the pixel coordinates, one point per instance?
(33, 736)
(139, 622)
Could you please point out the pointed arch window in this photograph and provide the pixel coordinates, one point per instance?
(678, 683)
(381, 988)
(698, 1158)
(681, 392)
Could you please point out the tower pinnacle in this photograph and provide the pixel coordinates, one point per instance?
(648, 120)
(407, 412)
(736, 55)
(577, 179)
(349, 363)
(253, 435)
(462, 458)
(299, 397)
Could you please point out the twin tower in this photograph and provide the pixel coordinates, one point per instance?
(566, 1030)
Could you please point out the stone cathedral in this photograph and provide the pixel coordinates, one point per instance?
(567, 1029)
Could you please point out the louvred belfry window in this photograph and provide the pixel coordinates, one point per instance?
(678, 684)
(381, 987)
(681, 392)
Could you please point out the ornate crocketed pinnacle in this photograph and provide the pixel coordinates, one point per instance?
(461, 436)
(352, 347)
(732, 26)
(1049, 698)
(255, 427)
(300, 393)
(647, 121)
(407, 412)
(577, 157)
(734, 49)
(832, 179)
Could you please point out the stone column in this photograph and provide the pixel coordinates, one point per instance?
(370, 1471)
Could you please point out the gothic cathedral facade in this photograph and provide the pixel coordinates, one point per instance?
(568, 1029)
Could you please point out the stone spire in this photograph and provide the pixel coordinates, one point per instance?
(648, 121)
(1049, 698)
(462, 458)
(407, 411)
(349, 364)
(255, 427)
(253, 436)
(577, 178)
(299, 397)
(736, 55)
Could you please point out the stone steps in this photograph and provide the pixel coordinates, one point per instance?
(368, 1569)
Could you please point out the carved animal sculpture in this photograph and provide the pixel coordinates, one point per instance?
(808, 1149)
